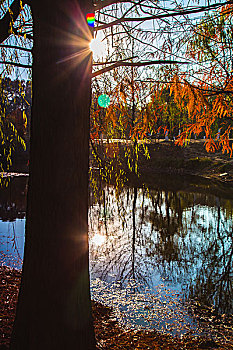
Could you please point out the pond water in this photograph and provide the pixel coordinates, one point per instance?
(153, 253)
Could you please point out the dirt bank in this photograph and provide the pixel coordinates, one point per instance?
(189, 168)
(192, 159)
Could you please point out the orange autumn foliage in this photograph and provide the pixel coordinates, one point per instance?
(207, 95)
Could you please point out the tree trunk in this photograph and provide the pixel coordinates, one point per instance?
(54, 309)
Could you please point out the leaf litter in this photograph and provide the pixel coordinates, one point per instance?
(114, 331)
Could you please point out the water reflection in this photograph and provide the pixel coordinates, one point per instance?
(13, 199)
(149, 250)
(12, 222)
(12, 243)
(181, 240)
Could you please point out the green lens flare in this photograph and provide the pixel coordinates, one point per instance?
(104, 101)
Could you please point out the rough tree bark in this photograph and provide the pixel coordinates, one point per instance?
(54, 310)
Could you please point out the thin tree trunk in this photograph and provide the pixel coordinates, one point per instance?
(54, 310)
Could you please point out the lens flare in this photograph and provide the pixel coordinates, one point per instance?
(104, 101)
(74, 44)
(90, 17)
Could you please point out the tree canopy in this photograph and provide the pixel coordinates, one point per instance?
(147, 48)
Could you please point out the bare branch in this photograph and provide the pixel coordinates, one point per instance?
(101, 4)
(16, 64)
(15, 47)
(113, 62)
(166, 15)
(9, 17)
(23, 34)
(134, 64)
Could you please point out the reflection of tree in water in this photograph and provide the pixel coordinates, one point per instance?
(13, 199)
(120, 257)
(12, 208)
(185, 237)
(195, 247)
(214, 281)
(11, 244)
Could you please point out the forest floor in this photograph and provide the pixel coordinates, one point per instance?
(109, 334)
